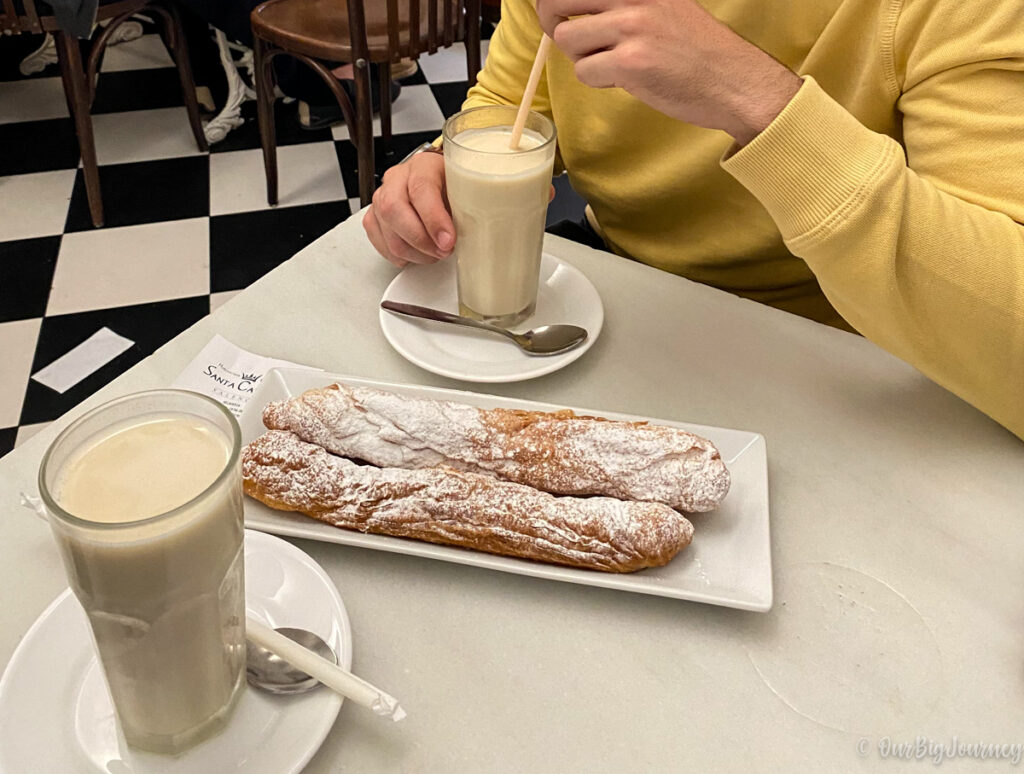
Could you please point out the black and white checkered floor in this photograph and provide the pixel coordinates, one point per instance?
(184, 230)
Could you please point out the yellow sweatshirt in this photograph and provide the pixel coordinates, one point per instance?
(891, 189)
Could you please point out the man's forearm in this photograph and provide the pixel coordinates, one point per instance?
(936, 280)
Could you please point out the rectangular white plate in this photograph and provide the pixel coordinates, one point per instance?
(728, 563)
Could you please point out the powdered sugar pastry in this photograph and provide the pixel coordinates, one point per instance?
(442, 505)
(557, 452)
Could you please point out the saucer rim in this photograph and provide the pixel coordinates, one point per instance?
(390, 325)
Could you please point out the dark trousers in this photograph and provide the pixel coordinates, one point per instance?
(578, 231)
(232, 18)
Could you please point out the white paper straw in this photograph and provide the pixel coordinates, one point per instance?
(531, 89)
(331, 675)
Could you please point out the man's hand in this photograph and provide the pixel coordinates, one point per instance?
(674, 56)
(409, 221)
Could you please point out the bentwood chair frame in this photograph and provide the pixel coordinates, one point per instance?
(447, 21)
(80, 77)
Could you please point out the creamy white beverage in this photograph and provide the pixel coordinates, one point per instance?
(141, 469)
(164, 597)
(499, 198)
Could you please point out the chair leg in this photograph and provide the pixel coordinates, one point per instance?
(177, 47)
(384, 85)
(77, 92)
(265, 114)
(364, 132)
(472, 49)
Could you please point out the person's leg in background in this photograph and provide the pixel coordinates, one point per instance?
(318, 108)
(211, 83)
(294, 78)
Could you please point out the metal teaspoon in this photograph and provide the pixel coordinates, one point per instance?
(544, 340)
(269, 672)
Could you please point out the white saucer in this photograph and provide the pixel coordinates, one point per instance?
(565, 296)
(57, 715)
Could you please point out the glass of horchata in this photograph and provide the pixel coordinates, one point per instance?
(499, 198)
(144, 500)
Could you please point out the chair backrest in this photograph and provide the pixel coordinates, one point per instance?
(445, 24)
(14, 20)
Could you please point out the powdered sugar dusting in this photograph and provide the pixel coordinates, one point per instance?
(557, 452)
(443, 505)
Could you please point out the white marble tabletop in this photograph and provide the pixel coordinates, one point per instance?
(896, 516)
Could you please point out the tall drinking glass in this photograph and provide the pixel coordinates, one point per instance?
(499, 200)
(145, 502)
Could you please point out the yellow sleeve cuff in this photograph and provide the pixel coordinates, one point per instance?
(812, 164)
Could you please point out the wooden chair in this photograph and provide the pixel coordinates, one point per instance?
(491, 11)
(359, 32)
(80, 77)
